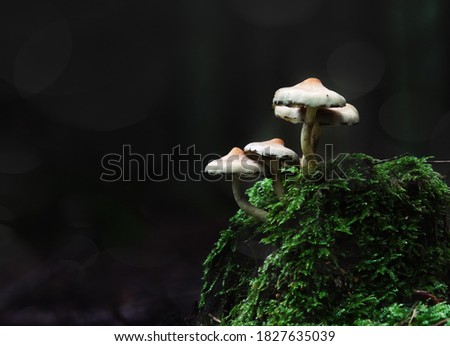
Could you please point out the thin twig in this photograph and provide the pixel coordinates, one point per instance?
(214, 318)
(438, 161)
(413, 315)
(406, 154)
(409, 320)
(442, 322)
(391, 158)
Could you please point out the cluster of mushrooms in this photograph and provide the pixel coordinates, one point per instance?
(308, 103)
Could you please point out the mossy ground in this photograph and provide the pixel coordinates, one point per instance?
(373, 248)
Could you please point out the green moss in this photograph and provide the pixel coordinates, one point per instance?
(417, 315)
(334, 251)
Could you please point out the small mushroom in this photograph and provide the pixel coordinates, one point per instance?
(293, 115)
(311, 95)
(325, 117)
(238, 164)
(273, 153)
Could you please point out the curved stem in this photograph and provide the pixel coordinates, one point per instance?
(306, 136)
(277, 184)
(242, 202)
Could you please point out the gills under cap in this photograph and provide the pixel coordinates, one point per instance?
(337, 116)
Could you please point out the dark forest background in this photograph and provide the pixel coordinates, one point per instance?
(81, 79)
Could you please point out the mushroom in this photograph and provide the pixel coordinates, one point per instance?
(238, 164)
(293, 115)
(325, 117)
(273, 153)
(311, 95)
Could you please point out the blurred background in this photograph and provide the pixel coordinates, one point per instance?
(81, 79)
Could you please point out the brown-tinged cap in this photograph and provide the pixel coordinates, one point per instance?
(234, 162)
(309, 93)
(273, 148)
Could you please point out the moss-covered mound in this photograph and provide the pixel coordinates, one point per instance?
(370, 247)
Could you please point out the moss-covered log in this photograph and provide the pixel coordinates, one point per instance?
(335, 250)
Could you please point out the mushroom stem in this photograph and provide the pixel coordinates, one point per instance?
(277, 184)
(315, 135)
(306, 136)
(242, 202)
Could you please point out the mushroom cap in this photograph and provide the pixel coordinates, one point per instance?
(295, 115)
(309, 93)
(234, 162)
(337, 116)
(347, 115)
(273, 149)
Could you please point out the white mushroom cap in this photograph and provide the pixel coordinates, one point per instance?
(273, 148)
(234, 162)
(337, 116)
(294, 115)
(347, 115)
(309, 93)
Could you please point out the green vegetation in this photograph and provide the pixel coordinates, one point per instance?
(417, 315)
(371, 249)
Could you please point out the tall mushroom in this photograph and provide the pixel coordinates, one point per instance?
(238, 164)
(325, 117)
(311, 95)
(273, 153)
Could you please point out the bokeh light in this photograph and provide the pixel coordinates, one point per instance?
(356, 68)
